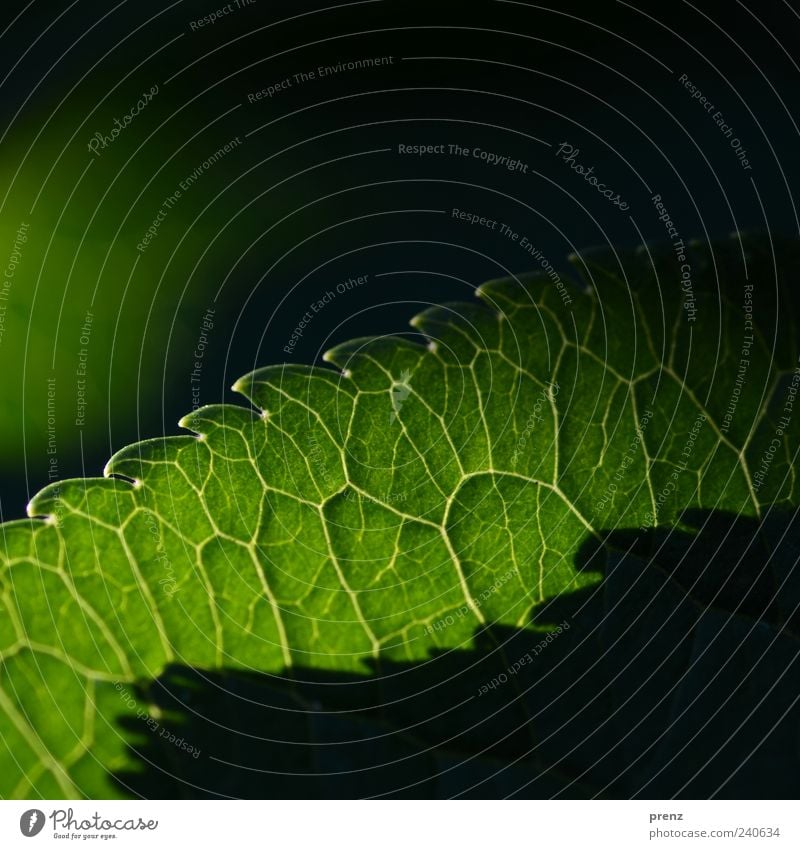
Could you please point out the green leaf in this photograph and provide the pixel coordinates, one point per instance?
(420, 497)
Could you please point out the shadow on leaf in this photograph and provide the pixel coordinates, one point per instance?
(676, 676)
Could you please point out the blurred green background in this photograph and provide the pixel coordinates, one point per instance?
(315, 192)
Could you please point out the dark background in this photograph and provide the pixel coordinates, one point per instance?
(318, 193)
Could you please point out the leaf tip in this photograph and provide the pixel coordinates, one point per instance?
(190, 422)
(330, 356)
(109, 471)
